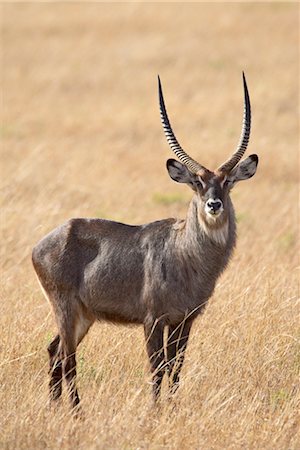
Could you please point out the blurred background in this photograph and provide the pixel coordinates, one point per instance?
(81, 129)
(81, 137)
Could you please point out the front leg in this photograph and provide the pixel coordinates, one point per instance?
(154, 333)
(178, 336)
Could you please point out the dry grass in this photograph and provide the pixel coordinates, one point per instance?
(82, 137)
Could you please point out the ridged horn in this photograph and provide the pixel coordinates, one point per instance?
(189, 162)
(244, 139)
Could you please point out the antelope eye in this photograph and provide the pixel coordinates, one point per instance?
(199, 184)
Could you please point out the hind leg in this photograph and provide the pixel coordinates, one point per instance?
(73, 321)
(72, 330)
(69, 370)
(55, 370)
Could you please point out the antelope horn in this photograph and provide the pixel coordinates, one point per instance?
(189, 162)
(244, 139)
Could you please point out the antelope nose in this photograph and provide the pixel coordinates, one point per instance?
(214, 205)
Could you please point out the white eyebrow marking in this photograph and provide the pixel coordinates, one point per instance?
(201, 181)
(223, 181)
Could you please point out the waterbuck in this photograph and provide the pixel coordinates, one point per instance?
(160, 274)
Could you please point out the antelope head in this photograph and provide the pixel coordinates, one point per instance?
(212, 188)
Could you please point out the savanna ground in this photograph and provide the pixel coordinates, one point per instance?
(81, 136)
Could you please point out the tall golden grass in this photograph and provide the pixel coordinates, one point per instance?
(82, 137)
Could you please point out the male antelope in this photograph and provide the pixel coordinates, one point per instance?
(158, 274)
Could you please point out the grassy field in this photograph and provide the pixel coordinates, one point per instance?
(81, 137)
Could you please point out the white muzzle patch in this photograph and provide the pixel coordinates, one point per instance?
(213, 207)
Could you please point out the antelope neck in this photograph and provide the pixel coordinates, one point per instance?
(198, 225)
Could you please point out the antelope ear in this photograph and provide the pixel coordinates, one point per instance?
(244, 170)
(179, 172)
